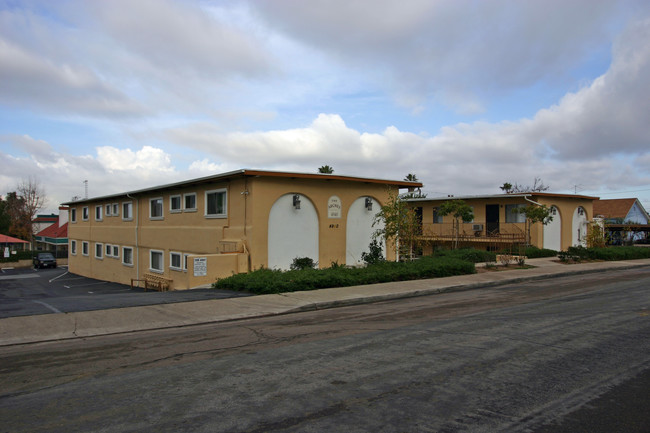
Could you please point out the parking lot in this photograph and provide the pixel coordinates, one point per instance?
(27, 291)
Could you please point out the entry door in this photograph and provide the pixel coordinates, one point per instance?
(492, 219)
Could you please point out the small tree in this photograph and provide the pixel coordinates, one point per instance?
(413, 192)
(374, 255)
(400, 223)
(22, 206)
(460, 211)
(325, 169)
(538, 186)
(534, 214)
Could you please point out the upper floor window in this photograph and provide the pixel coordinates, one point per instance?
(215, 203)
(127, 210)
(73, 215)
(175, 203)
(437, 218)
(116, 209)
(190, 202)
(84, 213)
(109, 210)
(156, 208)
(98, 213)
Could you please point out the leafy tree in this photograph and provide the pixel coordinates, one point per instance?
(506, 187)
(400, 223)
(5, 220)
(460, 211)
(535, 214)
(411, 177)
(22, 206)
(325, 169)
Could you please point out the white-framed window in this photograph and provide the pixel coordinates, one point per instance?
(85, 248)
(73, 247)
(85, 213)
(98, 213)
(185, 260)
(116, 252)
(176, 261)
(109, 250)
(109, 210)
(216, 203)
(73, 214)
(127, 256)
(116, 209)
(127, 211)
(189, 202)
(156, 208)
(156, 261)
(512, 216)
(99, 250)
(175, 203)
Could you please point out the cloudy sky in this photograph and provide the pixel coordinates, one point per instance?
(465, 94)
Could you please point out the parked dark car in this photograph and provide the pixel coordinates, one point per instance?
(44, 260)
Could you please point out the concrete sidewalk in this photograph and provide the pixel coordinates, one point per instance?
(50, 327)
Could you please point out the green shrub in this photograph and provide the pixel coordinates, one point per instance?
(468, 254)
(608, 253)
(534, 252)
(374, 255)
(20, 255)
(264, 281)
(301, 263)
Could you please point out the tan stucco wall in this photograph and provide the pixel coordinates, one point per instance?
(246, 226)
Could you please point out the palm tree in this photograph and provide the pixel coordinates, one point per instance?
(326, 169)
(411, 177)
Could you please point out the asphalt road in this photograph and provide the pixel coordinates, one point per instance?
(544, 356)
(28, 292)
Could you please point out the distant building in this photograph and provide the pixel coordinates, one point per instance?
(625, 218)
(189, 233)
(53, 233)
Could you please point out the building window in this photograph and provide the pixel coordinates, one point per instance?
(175, 203)
(127, 211)
(190, 202)
(127, 256)
(215, 203)
(73, 247)
(73, 215)
(437, 219)
(185, 259)
(109, 250)
(116, 251)
(175, 261)
(84, 248)
(84, 213)
(116, 209)
(512, 216)
(99, 251)
(156, 261)
(98, 213)
(109, 210)
(156, 208)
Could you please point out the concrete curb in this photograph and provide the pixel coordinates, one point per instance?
(64, 326)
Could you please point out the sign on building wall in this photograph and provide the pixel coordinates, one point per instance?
(6, 252)
(334, 207)
(200, 266)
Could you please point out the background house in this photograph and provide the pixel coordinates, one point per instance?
(53, 233)
(625, 219)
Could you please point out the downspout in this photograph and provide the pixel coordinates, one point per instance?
(137, 246)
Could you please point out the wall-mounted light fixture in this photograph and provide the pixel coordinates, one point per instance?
(296, 201)
(581, 211)
(368, 204)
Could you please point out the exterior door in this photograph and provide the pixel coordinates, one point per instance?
(492, 219)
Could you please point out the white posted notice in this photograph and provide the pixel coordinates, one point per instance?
(200, 266)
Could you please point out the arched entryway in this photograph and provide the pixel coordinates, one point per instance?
(293, 231)
(359, 229)
(579, 227)
(553, 231)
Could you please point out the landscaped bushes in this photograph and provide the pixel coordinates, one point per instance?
(611, 253)
(20, 255)
(273, 281)
(468, 254)
(535, 253)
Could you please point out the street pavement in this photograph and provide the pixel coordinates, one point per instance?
(84, 324)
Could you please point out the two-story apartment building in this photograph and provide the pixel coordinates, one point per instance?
(192, 232)
(496, 225)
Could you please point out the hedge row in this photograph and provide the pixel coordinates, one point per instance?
(611, 253)
(20, 255)
(264, 281)
(468, 255)
(535, 253)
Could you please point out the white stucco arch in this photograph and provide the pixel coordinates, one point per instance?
(292, 232)
(359, 230)
(579, 227)
(553, 231)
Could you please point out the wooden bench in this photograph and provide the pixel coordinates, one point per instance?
(153, 281)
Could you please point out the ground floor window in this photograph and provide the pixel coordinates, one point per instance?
(175, 261)
(156, 261)
(85, 248)
(99, 251)
(73, 247)
(127, 256)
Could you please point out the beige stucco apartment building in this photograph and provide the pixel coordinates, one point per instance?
(192, 232)
(496, 226)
